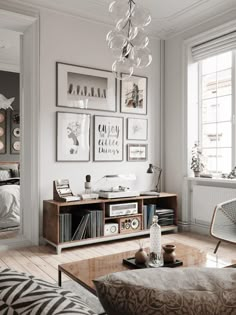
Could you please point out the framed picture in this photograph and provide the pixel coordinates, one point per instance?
(137, 152)
(137, 129)
(73, 137)
(85, 88)
(108, 138)
(15, 132)
(3, 128)
(133, 95)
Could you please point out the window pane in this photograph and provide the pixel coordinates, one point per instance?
(209, 136)
(224, 108)
(209, 86)
(210, 154)
(224, 82)
(224, 134)
(209, 110)
(224, 160)
(224, 61)
(209, 65)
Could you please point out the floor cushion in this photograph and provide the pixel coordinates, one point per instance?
(24, 294)
(166, 291)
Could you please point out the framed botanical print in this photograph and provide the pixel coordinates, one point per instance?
(137, 152)
(137, 129)
(73, 137)
(85, 88)
(108, 138)
(133, 95)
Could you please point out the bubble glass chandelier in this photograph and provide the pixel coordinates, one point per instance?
(128, 41)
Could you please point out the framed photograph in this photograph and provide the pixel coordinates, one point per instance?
(137, 152)
(3, 128)
(15, 132)
(108, 138)
(137, 129)
(133, 95)
(85, 88)
(73, 137)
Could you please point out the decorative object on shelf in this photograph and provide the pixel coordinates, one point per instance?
(85, 88)
(137, 152)
(3, 131)
(128, 41)
(62, 191)
(15, 132)
(73, 137)
(155, 169)
(197, 163)
(137, 129)
(155, 257)
(87, 184)
(169, 254)
(108, 138)
(141, 256)
(5, 103)
(133, 95)
(232, 174)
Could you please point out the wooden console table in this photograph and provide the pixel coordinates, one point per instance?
(52, 210)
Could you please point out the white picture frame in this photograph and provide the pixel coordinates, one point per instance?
(137, 152)
(137, 129)
(85, 88)
(133, 95)
(73, 137)
(108, 138)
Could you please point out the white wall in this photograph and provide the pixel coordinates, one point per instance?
(72, 40)
(174, 110)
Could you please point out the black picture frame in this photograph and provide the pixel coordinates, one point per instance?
(76, 126)
(71, 92)
(111, 134)
(129, 92)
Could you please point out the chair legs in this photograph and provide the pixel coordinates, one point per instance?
(217, 246)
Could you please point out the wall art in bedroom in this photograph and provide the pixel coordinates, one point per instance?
(73, 137)
(137, 152)
(133, 95)
(15, 132)
(85, 88)
(2, 131)
(137, 129)
(108, 138)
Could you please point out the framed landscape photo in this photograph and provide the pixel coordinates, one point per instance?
(85, 88)
(108, 138)
(137, 129)
(73, 137)
(133, 95)
(137, 152)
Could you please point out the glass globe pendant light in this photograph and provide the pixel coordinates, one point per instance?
(128, 40)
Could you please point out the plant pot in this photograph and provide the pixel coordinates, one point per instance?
(197, 173)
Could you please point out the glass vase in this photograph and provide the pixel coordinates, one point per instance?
(155, 259)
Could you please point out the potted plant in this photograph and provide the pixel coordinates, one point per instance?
(197, 164)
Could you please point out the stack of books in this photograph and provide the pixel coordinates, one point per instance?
(65, 226)
(165, 216)
(148, 213)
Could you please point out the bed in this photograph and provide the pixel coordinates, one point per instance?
(9, 196)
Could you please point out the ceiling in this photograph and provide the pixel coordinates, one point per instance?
(169, 17)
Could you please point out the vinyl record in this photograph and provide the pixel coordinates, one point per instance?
(1, 145)
(2, 131)
(16, 132)
(2, 117)
(16, 146)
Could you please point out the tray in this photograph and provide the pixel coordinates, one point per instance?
(131, 263)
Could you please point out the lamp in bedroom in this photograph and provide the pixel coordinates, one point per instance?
(152, 169)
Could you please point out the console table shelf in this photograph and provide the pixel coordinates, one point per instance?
(52, 210)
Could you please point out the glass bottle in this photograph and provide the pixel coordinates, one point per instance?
(155, 259)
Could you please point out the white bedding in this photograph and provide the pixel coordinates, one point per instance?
(9, 206)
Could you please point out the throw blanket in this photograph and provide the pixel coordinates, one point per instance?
(9, 206)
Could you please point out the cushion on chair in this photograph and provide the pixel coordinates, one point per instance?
(24, 294)
(165, 291)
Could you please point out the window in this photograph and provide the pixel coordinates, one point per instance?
(216, 111)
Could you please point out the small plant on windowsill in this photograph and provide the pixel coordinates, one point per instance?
(197, 163)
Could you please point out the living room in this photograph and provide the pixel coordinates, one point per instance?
(63, 40)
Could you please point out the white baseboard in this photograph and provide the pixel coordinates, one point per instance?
(184, 226)
(200, 229)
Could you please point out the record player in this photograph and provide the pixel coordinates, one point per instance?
(120, 192)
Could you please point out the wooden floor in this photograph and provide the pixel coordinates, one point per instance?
(42, 261)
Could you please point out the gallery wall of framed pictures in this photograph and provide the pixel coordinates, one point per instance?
(82, 135)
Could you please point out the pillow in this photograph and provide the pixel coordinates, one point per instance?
(24, 294)
(13, 167)
(5, 174)
(165, 291)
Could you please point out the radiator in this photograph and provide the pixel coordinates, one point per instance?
(204, 200)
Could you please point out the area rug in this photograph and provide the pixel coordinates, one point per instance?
(90, 299)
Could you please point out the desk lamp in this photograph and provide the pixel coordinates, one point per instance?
(155, 169)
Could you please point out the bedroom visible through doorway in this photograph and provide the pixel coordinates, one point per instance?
(10, 217)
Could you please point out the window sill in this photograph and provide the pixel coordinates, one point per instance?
(212, 180)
